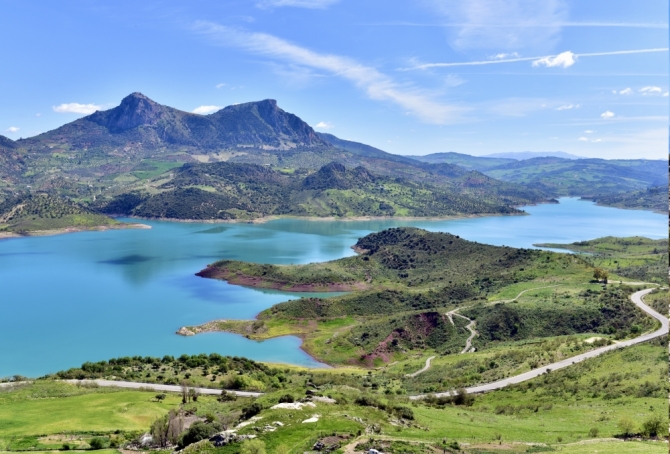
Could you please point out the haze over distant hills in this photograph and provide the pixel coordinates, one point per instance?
(521, 155)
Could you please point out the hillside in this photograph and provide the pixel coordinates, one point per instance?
(42, 212)
(228, 191)
(638, 258)
(466, 161)
(583, 177)
(561, 176)
(654, 198)
(406, 285)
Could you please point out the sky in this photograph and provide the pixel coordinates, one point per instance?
(427, 76)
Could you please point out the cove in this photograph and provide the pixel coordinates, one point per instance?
(91, 296)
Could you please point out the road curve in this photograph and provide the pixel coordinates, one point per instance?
(158, 387)
(637, 300)
(425, 368)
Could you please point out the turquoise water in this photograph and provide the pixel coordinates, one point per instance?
(90, 296)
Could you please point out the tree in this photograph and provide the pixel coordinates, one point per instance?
(625, 426)
(600, 274)
(254, 446)
(160, 397)
(165, 430)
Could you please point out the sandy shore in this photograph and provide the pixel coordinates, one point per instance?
(6, 235)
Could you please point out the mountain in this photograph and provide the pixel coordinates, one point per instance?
(140, 120)
(584, 177)
(362, 149)
(521, 155)
(11, 161)
(463, 160)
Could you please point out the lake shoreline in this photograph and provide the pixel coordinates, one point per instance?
(65, 230)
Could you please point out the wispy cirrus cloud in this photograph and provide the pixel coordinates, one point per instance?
(564, 59)
(375, 84)
(205, 110)
(309, 4)
(492, 24)
(76, 108)
(568, 107)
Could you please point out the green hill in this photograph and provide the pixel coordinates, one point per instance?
(654, 198)
(583, 177)
(228, 191)
(405, 284)
(43, 212)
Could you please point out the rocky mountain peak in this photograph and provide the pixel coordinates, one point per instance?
(135, 110)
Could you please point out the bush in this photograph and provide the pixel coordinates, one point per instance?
(653, 426)
(99, 443)
(198, 431)
(626, 426)
(251, 411)
(286, 398)
(463, 398)
(254, 446)
(593, 432)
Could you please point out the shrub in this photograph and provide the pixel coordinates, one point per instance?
(99, 442)
(286, 398)
(593, 432)
(251, 411)
(653, 426)
(254, 446)
(625, 426)
(198, 431)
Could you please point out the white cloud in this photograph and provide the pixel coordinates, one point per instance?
(547, 60)
(13, 129)
(221, 85)
(564, 60)
(375, 84)
(568, 107)
(324, 125)
(38, 114)
(204, 110)
(75, 107)
(665, 95)
(597, 140)
(607, 114)
(626, 91)
(310, 4)
(504, 56)
(495, 24)
(589, 131)
(583, 139)
(650, 90)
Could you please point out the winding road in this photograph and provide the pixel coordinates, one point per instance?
(637, 300)
(425, 368)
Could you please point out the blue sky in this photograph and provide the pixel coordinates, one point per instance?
(476, 76)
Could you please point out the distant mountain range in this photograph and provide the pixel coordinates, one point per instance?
(140, 146)
(521, 155)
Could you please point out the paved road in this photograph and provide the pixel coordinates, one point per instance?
(425, 368)
(635, 297)
(158, 387)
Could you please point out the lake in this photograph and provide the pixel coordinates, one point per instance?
(91, 296)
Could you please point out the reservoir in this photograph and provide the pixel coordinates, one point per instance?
(90, 296)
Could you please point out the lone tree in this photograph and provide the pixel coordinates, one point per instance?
(600, 274)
